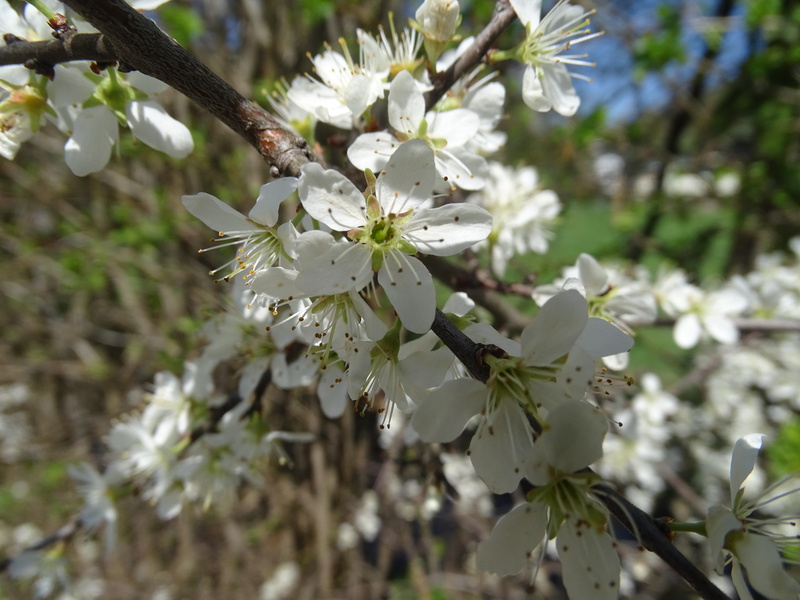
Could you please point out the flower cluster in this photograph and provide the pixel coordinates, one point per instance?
(331, 285)
(87, 106)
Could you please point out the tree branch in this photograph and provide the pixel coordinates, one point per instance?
(503, 16)
(81, 46)
(137, 42)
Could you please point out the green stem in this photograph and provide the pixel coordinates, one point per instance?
(42, 8)
(699, 527)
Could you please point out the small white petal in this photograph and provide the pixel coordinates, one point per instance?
(528, 11)
(589, 562)
(457, 126)
(556, 327)
(269, 200)
(743, 459)
(507, 550)
(344, 267)
(764, 567)
(593, 276)
(448, 229)
(501, 447)
(372, 150)
(89, 148)
(276, 282)
(444, 414)
(558, 89)
(216, 214)
(574, 439)
(406, 104)
(150, 123)
(601, 338)
(331, 198)
(332, 392)
(721, 328)
(532, 91)
(407, 179)
(687, 330)
(409, 286)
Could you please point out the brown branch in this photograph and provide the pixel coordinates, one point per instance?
(137, 42)
(81, 46)
(484, 290)
(503, 16)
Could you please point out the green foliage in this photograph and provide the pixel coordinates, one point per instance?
(784, 452)
(316, 11)
(182, 22)
(654, 50)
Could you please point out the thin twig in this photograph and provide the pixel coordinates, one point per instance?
(82, 46)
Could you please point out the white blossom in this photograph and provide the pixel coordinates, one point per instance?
(752, 544)
(387, 228)
(546, 83)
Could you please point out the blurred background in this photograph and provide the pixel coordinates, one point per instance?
(684, 153)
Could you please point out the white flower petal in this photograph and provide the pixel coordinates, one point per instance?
(589, 561)
(332, 392)
(743, 460)
(593, 276)
(407, 179)
(528, 11)
(556, 327)
(507, 550)
(331, 198)
(69, 86)
(501, 447)
(406, 104)
(721, 328)
(150, 123)
(444, 414)
(216, 214)
(251, 375)
(532, 91)
(457, 126)
(558, 89)
(145, 83)
(764, 567)
(344, 267)
(687, 330)
(720, 522)
(573, 436)
(276, 282)
(461, 168)
(448, 229)
(409, 286)
(269, 200)
(601, 338)
(372, 150)
(89, 148)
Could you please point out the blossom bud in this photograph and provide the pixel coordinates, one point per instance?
(438, 19)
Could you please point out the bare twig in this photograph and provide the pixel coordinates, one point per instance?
(82, 46)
